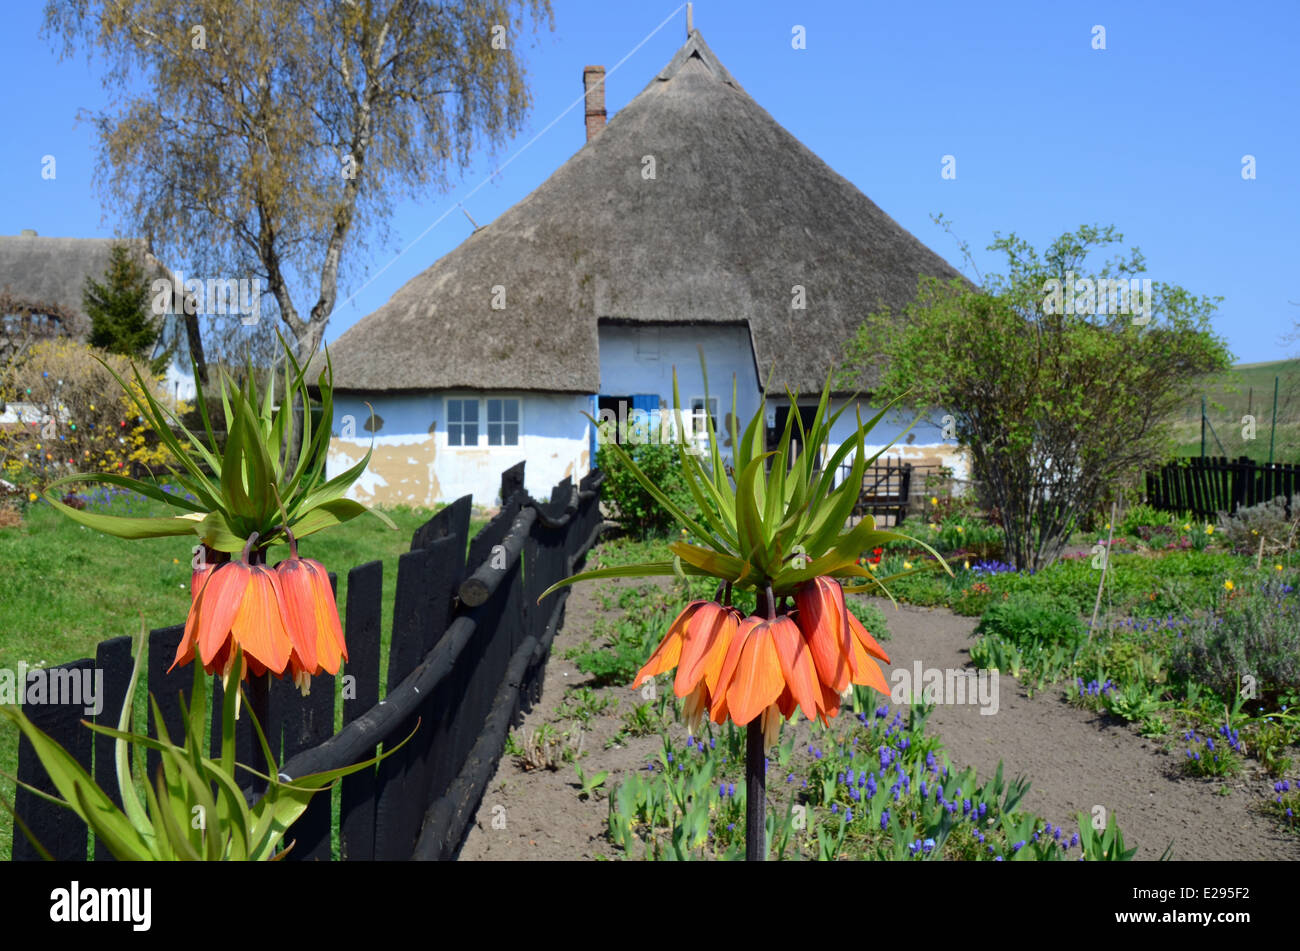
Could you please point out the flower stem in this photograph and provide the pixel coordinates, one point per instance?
(755, 793)
(248, 546)
(259, 701)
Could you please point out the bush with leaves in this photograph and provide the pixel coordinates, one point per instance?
(1142, 516)
(75, 416)
(1256, 634)
(1030, 618)
(1266, 522)
(633, 505)
(1054, 403)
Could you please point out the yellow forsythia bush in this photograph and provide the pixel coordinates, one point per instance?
(75, 415)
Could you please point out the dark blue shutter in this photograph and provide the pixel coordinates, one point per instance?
(650, 403)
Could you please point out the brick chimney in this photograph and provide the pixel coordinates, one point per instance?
(593, 82)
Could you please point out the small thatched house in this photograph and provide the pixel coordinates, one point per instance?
(690, 221)
(41, 285)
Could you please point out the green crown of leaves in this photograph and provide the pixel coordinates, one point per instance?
(249, 487)
(779, 525)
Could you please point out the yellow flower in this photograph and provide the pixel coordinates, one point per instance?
(1228, 585)
(1209, 529)
(907, 565)
(934, 500)
(961, 530)
(1187, 527)
(934, 525)
(1254, 532)
(968, 564)
(871, 565)
(31, 497)
(1278, 567)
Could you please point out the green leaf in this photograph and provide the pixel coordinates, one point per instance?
(646, 570)
(122, 527)
(334, 513)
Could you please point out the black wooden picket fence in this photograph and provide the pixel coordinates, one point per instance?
(1207, 486)
(469, 642)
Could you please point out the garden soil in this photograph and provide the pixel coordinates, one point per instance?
(1075, 761)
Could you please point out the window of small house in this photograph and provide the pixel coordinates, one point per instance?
(503, 422)
(462, 422)
(699, 425)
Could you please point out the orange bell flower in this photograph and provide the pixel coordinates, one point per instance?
(237, 603)
(312, 617)
(840, 645)
(696, 644)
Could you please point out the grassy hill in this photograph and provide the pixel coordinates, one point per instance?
(1245, 389)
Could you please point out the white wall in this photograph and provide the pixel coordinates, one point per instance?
(640, 360)
(413, 465)
(927, 445)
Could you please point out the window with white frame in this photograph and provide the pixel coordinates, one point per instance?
(699, 423)
(467, 416)
(462, 422)
(503, 422)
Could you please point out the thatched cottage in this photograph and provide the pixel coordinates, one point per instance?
(41, 285)
(690, 221)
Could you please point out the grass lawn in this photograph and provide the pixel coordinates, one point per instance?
(64, 588)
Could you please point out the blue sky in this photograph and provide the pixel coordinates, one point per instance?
(1047, 132)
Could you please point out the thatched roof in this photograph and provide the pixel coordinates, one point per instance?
(738, 212)
(48, 275)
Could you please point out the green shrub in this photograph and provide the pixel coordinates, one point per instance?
(1143, 516)
(1266, 522)
(638, 511)
(1027, 619)
(872, 618)
(1255, 635)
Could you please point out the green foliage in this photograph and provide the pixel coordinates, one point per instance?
(583, 703)
(765, 522)
(1054, 407)
(121, 320)
(1144, 516)
(1028, 619)
(1106, 845)
(1205, 757)
(590, 783)
(196, 810)
(1256, 634)
(690, 802)
(261, 485)
(635, 507)
(429, 89)
(949, 535)
(1265, 523)
(1269, 742)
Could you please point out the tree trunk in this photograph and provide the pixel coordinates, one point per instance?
(195, 340)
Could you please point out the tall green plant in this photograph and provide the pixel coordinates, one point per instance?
(194, 809)
(773, 520)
